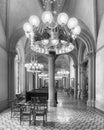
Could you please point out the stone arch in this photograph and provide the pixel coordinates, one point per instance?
(88, 40)
(88, 44)
(14, 39)
(73, 56)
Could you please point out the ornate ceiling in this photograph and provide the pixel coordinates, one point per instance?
(56, 5)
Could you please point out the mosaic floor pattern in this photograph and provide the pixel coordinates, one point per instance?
(68, 115)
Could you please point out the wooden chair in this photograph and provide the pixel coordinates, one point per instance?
(41, 111)
(15, 109)
(26, 112)
(43, 100)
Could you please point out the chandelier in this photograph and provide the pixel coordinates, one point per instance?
(63, 73)
(54, 32)
(34, 66)
(43, 75)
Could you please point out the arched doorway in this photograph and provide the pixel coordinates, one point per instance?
(86, 68)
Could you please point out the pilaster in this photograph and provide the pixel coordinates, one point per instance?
(91, 80)
(76, 81)
(11, 90)
(51, 89)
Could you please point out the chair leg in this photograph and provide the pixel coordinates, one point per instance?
(34, 119)
(43, 121)
(30, 120)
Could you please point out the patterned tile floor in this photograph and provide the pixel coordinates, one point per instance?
(68, 115)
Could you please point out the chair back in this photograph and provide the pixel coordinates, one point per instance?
(35, 100)
(26, 108)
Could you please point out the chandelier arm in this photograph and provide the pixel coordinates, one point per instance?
(67, 33)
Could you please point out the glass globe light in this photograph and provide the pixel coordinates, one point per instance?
(76, 30)
(47, 17)
(72, 23)
(27, 27)
(54, 42)
(45, 42)
(62, 18)
(34, 20)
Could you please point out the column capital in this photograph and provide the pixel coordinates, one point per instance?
(90, 54)
(75, 66)
(12, 53)
(80, 64)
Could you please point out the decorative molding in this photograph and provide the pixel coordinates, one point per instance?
(91, 53)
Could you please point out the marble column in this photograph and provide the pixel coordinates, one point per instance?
(64, 82)
(33, 81)
(30, 81)
(26, 80)
(40, 83)
(36, 80)
(67, 83)
(76, 81)
(79, 81)
(51, 89)
(16, 71)
(11, 89)
(91, 80)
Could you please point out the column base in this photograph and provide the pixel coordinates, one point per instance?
(89, 103)
(93, 103)
(52, 103)
(75, 94)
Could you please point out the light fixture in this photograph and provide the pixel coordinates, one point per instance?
(52, 33)
(58, 77)
(34, 66)
(63, 73)
(43, 75)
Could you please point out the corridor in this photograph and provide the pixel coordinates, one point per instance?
(68, 115)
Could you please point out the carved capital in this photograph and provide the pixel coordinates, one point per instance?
(90, 54)
(75, 66)
(13, 53)
(80, 64)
